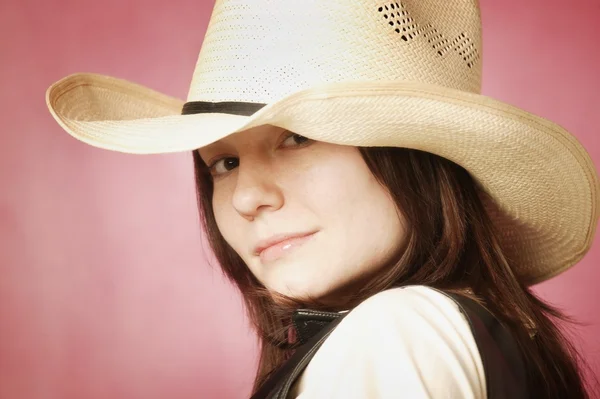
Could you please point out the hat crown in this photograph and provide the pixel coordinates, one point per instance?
(262, 50)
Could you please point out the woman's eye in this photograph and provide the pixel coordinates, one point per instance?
(224, 165)
(295, 140)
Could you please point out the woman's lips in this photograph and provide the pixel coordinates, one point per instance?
(283, 248)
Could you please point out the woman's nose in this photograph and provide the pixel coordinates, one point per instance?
(256, 190)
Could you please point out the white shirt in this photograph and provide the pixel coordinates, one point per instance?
(410, 342)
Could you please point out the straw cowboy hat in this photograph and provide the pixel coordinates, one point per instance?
(361, 73)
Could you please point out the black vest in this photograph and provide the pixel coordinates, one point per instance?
(505, 372)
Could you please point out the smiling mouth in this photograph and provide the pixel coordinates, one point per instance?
(283, 248)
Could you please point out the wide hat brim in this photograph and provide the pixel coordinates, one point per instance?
(539, 184)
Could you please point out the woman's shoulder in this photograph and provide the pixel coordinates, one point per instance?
(412, 339)
(407, 302)
(417, 314)
(406, 295)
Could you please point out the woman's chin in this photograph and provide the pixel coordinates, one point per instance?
(301, 289)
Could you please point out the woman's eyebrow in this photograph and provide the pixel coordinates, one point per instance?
(216, 147)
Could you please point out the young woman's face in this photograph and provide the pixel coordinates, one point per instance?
(306, 217)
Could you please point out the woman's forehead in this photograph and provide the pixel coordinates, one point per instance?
(246, 136)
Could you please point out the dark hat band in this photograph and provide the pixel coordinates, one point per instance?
(229, 107)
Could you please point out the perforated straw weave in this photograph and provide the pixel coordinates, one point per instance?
(363, 73)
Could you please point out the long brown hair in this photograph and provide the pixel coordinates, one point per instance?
(451, 245)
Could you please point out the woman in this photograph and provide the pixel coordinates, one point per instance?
(382, 219)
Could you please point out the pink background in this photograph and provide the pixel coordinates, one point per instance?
(106, 290)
